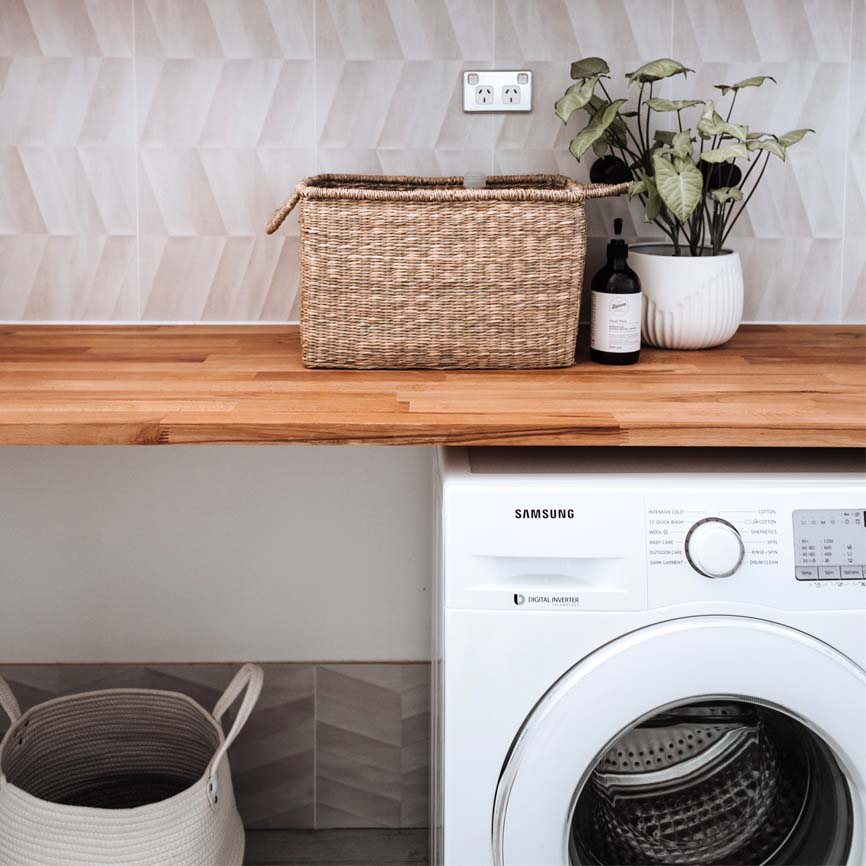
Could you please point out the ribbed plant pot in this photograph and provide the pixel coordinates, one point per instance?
(689, 302)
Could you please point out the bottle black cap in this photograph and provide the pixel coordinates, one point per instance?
(617, 248)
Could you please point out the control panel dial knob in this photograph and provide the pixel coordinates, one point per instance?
(714, 547)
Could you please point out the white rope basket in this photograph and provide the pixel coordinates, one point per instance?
(122, 776)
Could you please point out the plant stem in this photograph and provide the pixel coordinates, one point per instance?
(648, 113)
(731, 109)
(644, 147)
(746, 199)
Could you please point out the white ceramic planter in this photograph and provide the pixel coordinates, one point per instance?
(688, 302)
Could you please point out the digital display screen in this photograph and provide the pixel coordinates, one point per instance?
(830, 544)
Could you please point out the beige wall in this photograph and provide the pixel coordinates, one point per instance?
(214, 554)
(144, 142)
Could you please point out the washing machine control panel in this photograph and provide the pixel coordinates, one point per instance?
(829, 544)
(767, 551)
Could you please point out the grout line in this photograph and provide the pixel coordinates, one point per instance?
(840, 310)
(315, 747)
(135, 151)
(316, 85)
(493, 65)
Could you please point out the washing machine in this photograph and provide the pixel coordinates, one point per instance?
(649, 657)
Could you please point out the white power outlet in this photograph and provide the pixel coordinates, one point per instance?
(483, 94)
(497, 90)
(511, 94)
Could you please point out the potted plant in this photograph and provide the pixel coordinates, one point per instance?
(690, 182)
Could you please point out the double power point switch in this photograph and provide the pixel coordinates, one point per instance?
(497, 90)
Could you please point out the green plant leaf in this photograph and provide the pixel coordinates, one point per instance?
(682, 143)
(673, 104)
(792, 137)
(754, 81)
(726, 152)
(770, 145)
(727, 193)
(654, 201)
(637, 187)
(577, 96)
(712, 124)
(655, 70)
(589, 67)
(678, 185)
(597, 103)
(596, 128)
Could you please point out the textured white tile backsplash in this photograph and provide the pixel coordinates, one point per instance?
(143, 143)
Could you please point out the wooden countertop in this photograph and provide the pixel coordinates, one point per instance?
(770, 386)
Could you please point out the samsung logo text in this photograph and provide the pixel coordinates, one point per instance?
(544, 513)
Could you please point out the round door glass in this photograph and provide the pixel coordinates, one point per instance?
(714, 782)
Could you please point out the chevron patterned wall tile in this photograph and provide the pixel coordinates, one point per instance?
(226, 128)
(748, 30)
(798, 278)
(404, 29)
(67, 161)
(144, 142)
(389, 90)
(66, 28)
(224, 28)
(69, 278)
(564, 30)
(372, 756)
(219, 278)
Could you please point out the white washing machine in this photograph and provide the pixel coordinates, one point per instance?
(650, 656)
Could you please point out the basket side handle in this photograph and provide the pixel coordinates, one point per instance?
(8, 702)
(248, 681)
(284, 209)
(601, 190)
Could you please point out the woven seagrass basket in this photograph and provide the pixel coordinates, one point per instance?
(419, 272)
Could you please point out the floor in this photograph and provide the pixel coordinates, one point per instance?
(337, 847)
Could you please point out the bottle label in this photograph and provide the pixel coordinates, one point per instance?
(616, 322)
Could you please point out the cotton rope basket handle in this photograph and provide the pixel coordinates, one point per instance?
(8, 702)
(248, 681)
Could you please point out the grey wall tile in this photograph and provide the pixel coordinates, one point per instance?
(372, 766)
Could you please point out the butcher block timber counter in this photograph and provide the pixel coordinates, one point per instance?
(153, 385)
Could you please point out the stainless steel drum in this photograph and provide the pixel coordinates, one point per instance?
(705, 784)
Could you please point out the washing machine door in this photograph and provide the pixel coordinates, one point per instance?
(707, 740)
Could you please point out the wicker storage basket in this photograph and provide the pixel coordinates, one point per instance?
(420, 272)
(122, 776)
